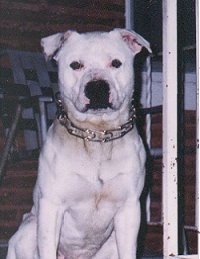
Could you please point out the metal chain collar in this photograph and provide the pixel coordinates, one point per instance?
(93, 135)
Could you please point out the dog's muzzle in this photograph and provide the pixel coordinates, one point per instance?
(98, 94)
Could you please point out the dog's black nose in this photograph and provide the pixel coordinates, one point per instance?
(98, 93)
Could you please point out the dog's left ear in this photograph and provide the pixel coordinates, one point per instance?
(134, 41)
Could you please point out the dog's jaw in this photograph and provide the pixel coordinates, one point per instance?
(98, 119)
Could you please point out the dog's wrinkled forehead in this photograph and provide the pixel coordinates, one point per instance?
(93, 48)
(118, 40)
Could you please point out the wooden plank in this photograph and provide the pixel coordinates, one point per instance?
(31, 26)
(25, 22)
(42, 15)
(30, 40)
(106, 5)
(37, 32)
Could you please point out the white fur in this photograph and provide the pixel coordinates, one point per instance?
(86, 198)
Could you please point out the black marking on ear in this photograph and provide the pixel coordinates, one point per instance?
(62, 41)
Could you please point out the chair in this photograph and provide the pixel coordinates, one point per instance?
(27, 86)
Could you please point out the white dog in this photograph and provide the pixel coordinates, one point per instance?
(92, 165)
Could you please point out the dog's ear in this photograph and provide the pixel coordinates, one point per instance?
(134, 41)
(53, 43)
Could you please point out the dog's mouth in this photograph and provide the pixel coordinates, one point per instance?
(98, 94)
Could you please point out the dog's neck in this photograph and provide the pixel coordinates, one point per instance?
(95, 135)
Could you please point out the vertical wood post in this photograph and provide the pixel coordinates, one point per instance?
(197, 122)
(170, 168)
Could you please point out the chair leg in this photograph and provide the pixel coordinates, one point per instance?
(9, 140)
(43, 100)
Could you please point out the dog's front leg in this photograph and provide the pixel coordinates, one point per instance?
(127, 223)
(49, 222)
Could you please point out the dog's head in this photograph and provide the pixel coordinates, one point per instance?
(95, 71)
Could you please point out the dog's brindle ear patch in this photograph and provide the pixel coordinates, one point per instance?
(134, 41)
(53, 43)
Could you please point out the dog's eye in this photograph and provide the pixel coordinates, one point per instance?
(116, 63)
(75, 65)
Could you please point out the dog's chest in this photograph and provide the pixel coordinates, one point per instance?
(96, 181)
(98, 194)
(87, 179)
(91, 208)
(95, 191)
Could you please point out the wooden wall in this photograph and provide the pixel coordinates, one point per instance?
(24, 22)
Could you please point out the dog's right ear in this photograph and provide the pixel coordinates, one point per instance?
(53, 43)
